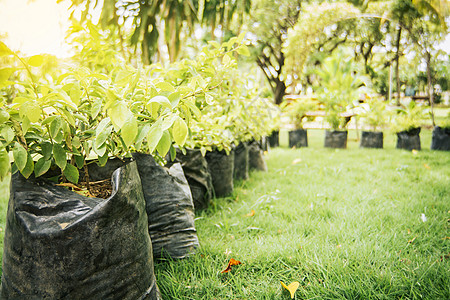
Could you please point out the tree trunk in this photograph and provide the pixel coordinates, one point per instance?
(279, 92)
(430, 85)
(397, 59)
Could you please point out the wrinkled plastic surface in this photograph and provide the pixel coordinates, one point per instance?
(409, 140)
(61, 245)
(169, 207)
(298, 138)
(220, 166)
(196, 171)
(256, 157)
(440, 139)
(371, 139)
(274, 139)
(241, 158)
(335, 139)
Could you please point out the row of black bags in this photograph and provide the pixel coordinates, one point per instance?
(62, 245)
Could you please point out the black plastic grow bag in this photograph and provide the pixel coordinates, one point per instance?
(409, 140)
(195, 169)
(256, 157)
(274, 139)
(298, 138)
(62, 245)
(241, 158)
(440, 139)
(335, 139)
(169, 207)
(221, 168)
(371, 139)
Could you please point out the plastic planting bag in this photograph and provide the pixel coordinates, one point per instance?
(371, 139)
(256, 157)
(62, 245)
(298, 138)
(221, 166)
(241, 158)
(335, 139)
(169, 207)
(440, 139)
(409, 140)
(195, 169)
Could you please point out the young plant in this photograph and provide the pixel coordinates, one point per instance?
(374, 113)
(340, 87)
(408, 118)
(298, 109)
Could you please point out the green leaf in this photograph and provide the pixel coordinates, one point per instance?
(71, 173)
(60, 156)
(154, 135)
(4, 160)
(76, 142)
(164, 144)
(4, 50)
(103, 136)
(75, 94)
(168, 122)
(102, 160)
(25, 124)
(31, 110)
(119, 113)
(5, 73)
(209, 99)
(226, 59)
(163, 101)
(36, 60)
(179, 131)
(142, 133)
(47, 150)
(174, 99)
(96, 108)
(29, 167)
(79, 160)
(4, 116)
(165, 87)
(20, 156)
(129, 131)
(55, 126)
(243, 50)
(8, 134)
(214, 44)
(42, 166)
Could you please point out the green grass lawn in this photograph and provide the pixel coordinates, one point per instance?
(346, 224)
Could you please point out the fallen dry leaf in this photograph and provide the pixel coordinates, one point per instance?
(63, 225)
(292, 288)
(251, 213)
(232, 262)
(296, 161)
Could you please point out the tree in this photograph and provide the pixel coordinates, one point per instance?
(270, 21)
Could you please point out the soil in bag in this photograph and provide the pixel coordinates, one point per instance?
(196, 171)
(62, 245)
(220, 166)
(241, 158)
(169, 207)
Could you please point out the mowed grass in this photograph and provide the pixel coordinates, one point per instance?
(346, 224)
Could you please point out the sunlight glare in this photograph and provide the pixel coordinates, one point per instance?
(35, 27)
